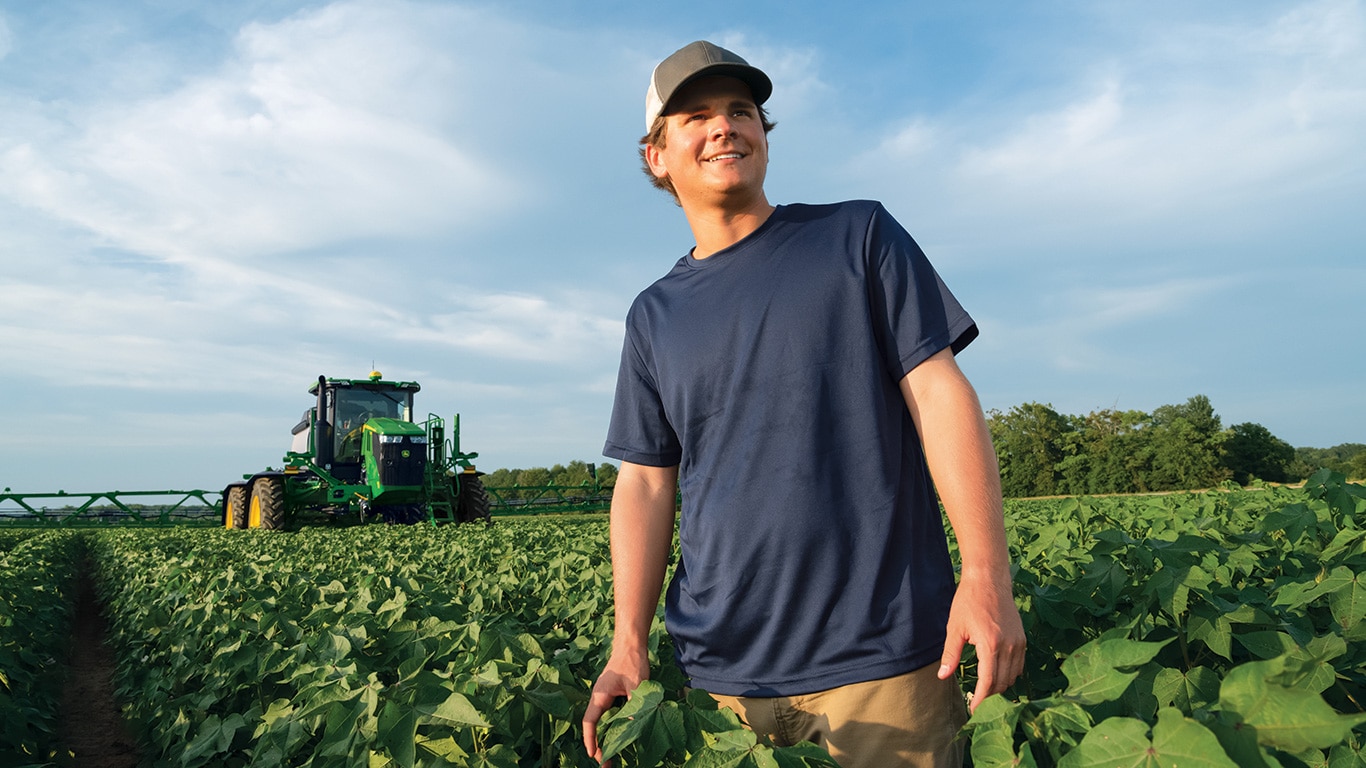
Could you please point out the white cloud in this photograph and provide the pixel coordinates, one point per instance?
(1187, 123)
(196, 228)
(1081, 327)
(307, 135)
(1104, 308)
(523, 327)
(126, 336)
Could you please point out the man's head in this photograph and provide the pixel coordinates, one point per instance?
(682, 75)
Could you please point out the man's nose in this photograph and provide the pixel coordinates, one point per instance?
(722, 127)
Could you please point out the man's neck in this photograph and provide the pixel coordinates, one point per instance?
(718, 228)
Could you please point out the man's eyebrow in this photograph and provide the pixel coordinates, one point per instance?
(704, 106)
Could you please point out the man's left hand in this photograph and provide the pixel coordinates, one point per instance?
(984, 614)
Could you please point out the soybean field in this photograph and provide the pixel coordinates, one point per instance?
(1221, 628)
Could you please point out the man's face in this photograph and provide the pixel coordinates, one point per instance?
(715, 145)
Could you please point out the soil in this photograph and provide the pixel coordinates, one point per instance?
(94, 734)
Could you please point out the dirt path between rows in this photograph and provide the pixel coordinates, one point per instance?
(93, 731)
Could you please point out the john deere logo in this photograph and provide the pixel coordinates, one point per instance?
(406, 454)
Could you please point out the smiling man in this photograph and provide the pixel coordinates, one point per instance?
(794, 376)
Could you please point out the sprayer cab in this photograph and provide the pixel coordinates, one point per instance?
(344, 410)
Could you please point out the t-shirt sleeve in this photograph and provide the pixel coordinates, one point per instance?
(639, 431)
(915, 314)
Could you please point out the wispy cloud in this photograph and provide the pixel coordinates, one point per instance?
(217, 207)
(1184, 121)
(1072, 330)
(300, 139)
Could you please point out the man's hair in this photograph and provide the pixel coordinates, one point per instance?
(655, 138)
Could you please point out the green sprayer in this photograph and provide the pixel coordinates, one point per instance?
(358, 453)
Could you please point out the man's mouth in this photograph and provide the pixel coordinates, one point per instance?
(726, 156)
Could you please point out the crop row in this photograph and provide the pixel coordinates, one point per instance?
(36, 604)
(374, 646)
(1222, 628)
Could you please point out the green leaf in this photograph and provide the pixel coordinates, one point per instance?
(1063, 723)
(731, 749)
(497, 756)
(1348, 602)
(398, 733)
(803, 754)
(1216, 633)
(1187, 691)
(445, 747)
(1121, 742)
(1239, 741)
(1292, 719)
(653, 725)
(992, 726)
(1097, 672)
(205, 742)
(1267, 645)
(455, 710)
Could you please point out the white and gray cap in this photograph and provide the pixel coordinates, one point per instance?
(696, 60)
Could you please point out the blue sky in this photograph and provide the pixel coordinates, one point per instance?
(204, 206)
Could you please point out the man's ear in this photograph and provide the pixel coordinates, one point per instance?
(655, 159)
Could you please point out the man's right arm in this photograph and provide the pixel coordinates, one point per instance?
(642, 527)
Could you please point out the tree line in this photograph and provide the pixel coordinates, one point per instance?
(1176, 447)
(575, 473)
(1045, 453)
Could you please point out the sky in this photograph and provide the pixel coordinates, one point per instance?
(204, 206)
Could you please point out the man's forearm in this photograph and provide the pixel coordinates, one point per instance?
(642, 527)
(957, 446)
(958, 450)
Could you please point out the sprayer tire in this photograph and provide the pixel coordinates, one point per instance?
(235, 514)
(268, 502)
(474, 500)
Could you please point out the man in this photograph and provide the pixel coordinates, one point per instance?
(794, 376)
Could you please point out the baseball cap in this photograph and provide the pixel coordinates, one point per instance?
(696, 60)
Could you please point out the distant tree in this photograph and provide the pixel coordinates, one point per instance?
(607, 475)
(533, 476)
(575, 474)
(1187, 446)
(1028, 441)
(1107, 452)
(1339, 458)
(500, 478)
(1177, 447)
(1251, 451)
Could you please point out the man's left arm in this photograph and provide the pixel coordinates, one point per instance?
(957, 446)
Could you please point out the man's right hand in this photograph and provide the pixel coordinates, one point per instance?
(624, 671)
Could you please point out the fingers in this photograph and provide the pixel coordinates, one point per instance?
(598, 703)
(1000, 659)
(998, 667)
(948, 663)
(986, 682)
(590, 736)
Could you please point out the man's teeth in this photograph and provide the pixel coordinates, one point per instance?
(729, 156)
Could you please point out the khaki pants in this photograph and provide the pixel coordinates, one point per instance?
(908, 720)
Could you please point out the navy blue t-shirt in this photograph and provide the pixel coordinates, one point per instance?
(813, 552)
